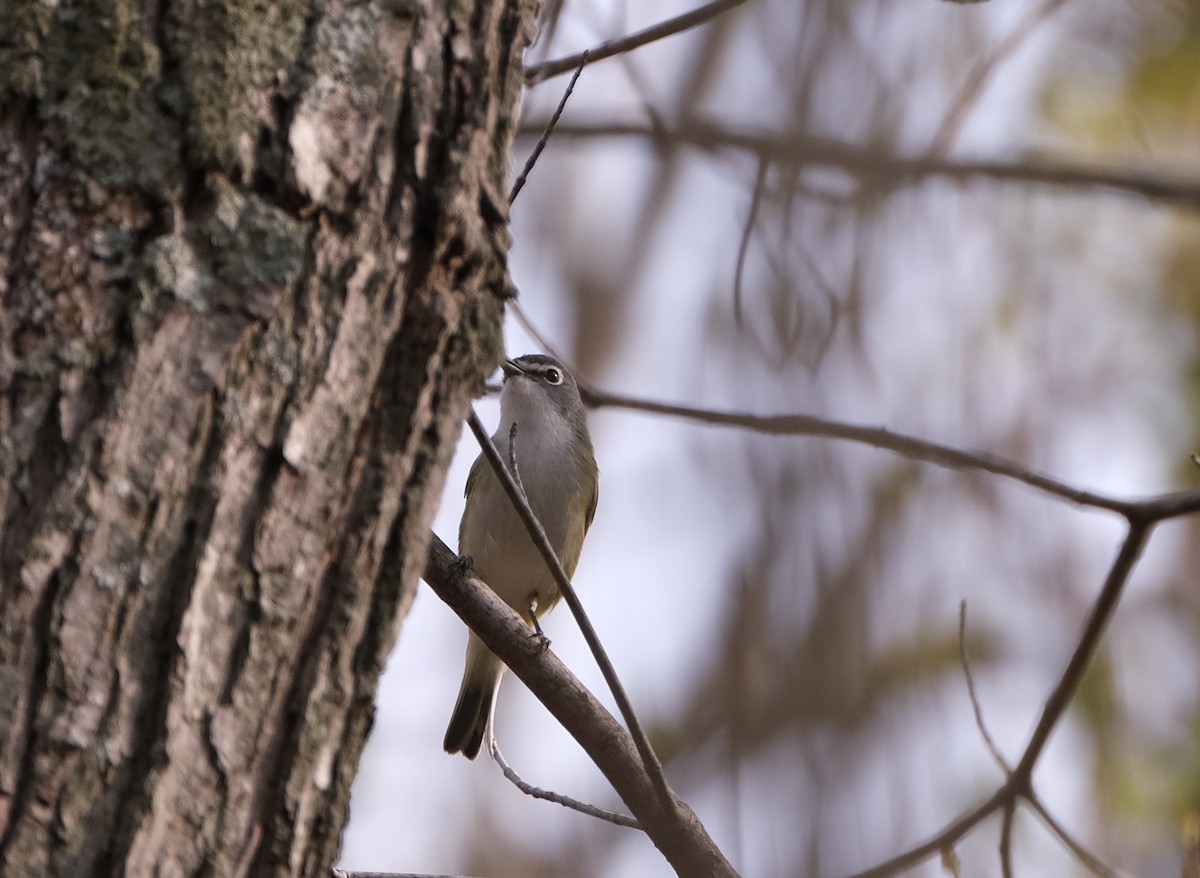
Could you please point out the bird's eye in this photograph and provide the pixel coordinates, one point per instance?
(553, 376)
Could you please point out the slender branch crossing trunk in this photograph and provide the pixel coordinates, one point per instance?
(252, 269)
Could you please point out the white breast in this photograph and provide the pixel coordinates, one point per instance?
(493, 533)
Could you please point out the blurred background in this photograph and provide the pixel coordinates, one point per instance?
(784, 610)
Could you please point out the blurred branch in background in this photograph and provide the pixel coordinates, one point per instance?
(972, 88)
(892, 171)
(1166, 506)
(1141, 515)
(1019, 784)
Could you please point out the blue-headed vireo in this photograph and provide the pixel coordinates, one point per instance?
(559, 474)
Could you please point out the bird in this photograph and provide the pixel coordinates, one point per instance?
(557, 469)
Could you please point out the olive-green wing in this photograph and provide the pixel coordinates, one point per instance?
(475, 475)
(592, 501)
(474, 482)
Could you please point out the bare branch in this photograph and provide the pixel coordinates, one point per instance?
(519, 183)
(760, 185)
(1010, 811)
(879, 437)
(675, 830)
(557, 798)
(940, 842)
(1018, 785)
(888, 170)
(1101, 612)
(1166, 506)
(540, 72)
(538, 535)
(1089, 860)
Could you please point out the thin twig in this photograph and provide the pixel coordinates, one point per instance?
(519, 183)
(878, 437)
(959, 827)
(1090, 861)
(540, 72)
(884, 169)
(760, 185)
(1018, 784)
(557, 798)
(966, 666)
(538, 535)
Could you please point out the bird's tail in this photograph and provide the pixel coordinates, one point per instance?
(473, 711)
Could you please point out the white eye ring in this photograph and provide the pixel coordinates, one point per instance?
(553, 376)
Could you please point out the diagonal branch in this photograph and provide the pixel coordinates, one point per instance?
(1090, 861)
(878, 437)
(1018, 785)
(674, 830)
(540, 72)
(519, 183)
(1101, 612)
(944, 840)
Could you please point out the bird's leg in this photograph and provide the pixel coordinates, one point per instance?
(537, 628)
(463, 563)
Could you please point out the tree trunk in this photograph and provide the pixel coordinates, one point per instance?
(252, 272)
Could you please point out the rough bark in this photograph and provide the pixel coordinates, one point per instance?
(252, 269)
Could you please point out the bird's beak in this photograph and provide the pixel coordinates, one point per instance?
(511, 369)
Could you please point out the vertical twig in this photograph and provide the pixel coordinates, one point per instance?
(760, 185)
(1010, 810)
(966, 666)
